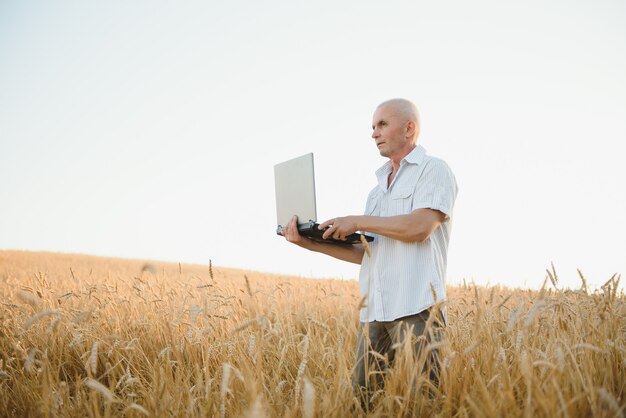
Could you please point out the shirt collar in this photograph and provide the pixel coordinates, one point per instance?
(416, 156)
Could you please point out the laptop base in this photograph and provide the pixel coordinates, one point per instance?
(311, 230)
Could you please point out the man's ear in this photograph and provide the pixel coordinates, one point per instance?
(411, 129)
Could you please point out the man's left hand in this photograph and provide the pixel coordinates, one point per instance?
(339, 228)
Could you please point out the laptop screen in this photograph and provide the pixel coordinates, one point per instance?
(295, 190)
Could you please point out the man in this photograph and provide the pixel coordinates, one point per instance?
(409, 215)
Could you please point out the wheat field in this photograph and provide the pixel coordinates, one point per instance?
(98, 337)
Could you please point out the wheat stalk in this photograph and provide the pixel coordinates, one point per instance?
(100, 388)
(226, 369)
(302, 366)
(136, 407)
(93, 359)
(38, 316)
(308, 399)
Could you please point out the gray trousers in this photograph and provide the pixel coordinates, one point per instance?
(384, 338)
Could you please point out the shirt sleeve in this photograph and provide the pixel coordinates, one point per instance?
(436, 188)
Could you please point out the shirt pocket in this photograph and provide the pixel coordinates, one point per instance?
(372, 208)
(401, 201)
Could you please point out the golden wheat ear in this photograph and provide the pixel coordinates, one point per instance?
(366, 246)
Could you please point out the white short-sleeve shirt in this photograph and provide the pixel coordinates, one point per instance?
(403, 278)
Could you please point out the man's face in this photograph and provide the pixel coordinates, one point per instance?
(390, 132)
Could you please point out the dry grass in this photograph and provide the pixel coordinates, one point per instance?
(87, 336)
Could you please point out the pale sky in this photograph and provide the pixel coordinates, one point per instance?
(150, 129)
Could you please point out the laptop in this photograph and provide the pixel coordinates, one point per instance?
(295, 195)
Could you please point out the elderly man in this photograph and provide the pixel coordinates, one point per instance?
(409, 214)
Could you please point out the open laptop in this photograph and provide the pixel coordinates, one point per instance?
(295, 195)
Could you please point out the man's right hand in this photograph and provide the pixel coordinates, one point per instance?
(292, 235)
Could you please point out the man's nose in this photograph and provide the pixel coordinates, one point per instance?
(374, 134)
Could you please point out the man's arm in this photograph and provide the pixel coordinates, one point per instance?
(413, 227)
(350, 253)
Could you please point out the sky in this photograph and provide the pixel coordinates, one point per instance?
(149, 129)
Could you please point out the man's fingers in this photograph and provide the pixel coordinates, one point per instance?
(327, 223)
(330, 227)
(335, 232)
(338, 228)
(291, 231)
(339, 235)
(332, 230)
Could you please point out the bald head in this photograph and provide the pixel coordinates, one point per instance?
(406, 110)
